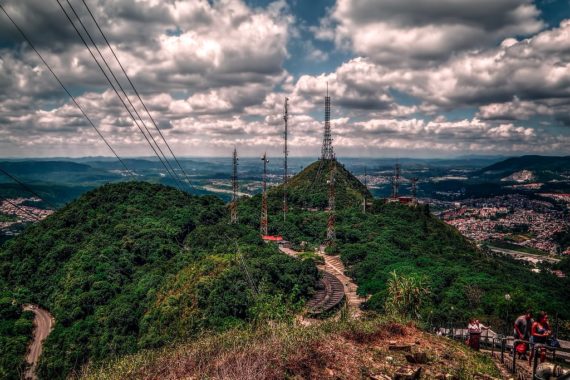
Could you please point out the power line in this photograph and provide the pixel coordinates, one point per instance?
(136, 92)
(26, 187)
(20, 208)
(123, 90)
(67, 92)
(115, 90)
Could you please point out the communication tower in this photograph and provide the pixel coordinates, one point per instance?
(331, 235)
(414, 187)
(327, 152)
(263, 224)
(396, 181)
(235, 189)
(285, 154)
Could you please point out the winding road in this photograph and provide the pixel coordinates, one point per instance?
(43, 324)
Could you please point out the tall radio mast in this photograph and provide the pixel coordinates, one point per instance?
(263, 224)
(235, 189)
(285, 154)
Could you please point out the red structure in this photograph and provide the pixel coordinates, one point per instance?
(272, 237)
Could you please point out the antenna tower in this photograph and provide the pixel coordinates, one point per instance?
(235, 189)
(331, 235)
(396, 181)
(327, 152)
(366, 186)
(263, 223)
(414, 187)
(285, 154)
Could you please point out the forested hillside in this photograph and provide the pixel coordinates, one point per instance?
(463, 280)
(136, 265)
(15, 332)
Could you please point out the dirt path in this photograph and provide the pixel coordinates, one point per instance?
(334, 266)
(43, 324)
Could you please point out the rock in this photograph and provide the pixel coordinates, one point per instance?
(445, 376)
(379, 377)
(400, 347)
(417, 358)
(407, 373)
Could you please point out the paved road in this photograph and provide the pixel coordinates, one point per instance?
(43, 324)
(525, 256)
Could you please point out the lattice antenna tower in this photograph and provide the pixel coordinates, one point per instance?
(414, 187)
(396, 181)
(331, 234)
(235, 189)
(285, 155)
(366, 187)
(263, 226)
(327, 152)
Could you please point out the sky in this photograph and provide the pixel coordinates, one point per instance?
(407, 78)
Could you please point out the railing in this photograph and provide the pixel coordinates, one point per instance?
(500, 344)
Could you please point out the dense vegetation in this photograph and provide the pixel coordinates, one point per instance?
(463, 280)
(310, 187)
(133, 266)
(136, 265)
(15, 331)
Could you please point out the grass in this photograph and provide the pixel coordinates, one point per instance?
(328, 350)
(317, 259)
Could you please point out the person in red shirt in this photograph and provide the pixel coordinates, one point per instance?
(539, 333)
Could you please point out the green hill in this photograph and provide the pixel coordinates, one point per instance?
(309, 188)
(545, 167)
(135, 265)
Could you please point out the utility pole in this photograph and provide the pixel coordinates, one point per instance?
(235, 189)
(366, 186)
(327, 152)
(396, 181)
(285, 154)
(263, 225)
(331, 235)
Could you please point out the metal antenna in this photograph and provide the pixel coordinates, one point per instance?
(263, 224)
(366, 186)
(327, 152)
(285, 154)
(396, 181)
(235, 189)
(414, 187)
(331, 235)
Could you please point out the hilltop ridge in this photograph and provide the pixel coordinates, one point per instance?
(309, 188)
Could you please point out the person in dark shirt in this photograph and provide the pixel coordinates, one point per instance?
(522, 332)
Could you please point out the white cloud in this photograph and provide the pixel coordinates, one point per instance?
(402, 32)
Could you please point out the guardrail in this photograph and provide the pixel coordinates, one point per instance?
(500, 345)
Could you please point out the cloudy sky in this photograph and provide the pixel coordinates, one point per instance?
(422, 78)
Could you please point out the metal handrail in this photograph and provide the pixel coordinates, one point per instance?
(501, 341)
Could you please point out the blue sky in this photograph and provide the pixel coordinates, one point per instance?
(433, 78)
